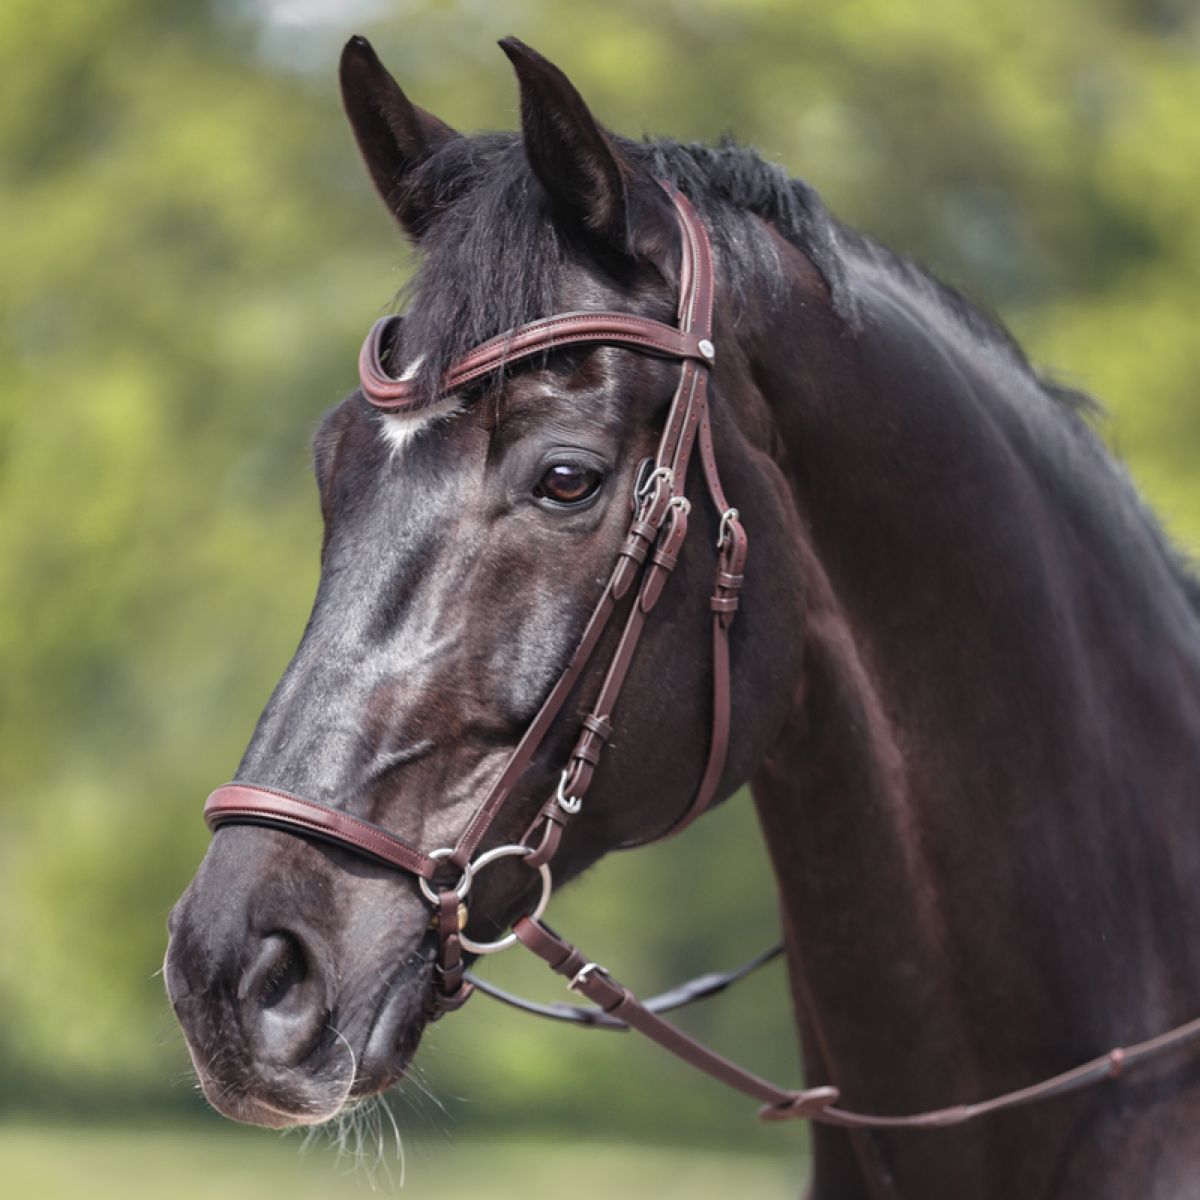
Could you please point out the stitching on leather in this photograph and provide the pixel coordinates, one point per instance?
(367, 835)
(597, 327)
(413, 859)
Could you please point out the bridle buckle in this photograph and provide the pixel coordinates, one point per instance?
(650, 482)
(729, 518)
(581, 976)
(569, 804)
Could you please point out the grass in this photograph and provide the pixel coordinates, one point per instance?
(59, 1161)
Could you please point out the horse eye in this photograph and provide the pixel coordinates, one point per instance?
(568, 483)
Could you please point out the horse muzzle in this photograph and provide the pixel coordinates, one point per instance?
(290, 1013)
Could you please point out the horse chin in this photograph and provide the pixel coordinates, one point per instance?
(275, 1104)
(251, 1110)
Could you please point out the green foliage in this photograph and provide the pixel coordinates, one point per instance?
(192, 253)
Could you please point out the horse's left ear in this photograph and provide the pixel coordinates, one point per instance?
(582, 167)
(394, 135)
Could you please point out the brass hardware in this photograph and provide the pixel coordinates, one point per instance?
(462, 918)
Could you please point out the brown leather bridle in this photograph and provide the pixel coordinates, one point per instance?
(649, 553)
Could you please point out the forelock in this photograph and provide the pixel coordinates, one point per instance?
(491, 259)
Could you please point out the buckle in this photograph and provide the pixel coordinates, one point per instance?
(580, 976)
(729, 518)
(648, 484)
(569, 804)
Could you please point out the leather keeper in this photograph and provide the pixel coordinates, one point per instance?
(558, 955)
(635, 548)
(603, 991)
(449, 978)
(444, 1003)
(588, 748)
(550, 811)
(600, 726)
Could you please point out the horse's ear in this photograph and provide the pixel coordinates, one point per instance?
(394, 135)
(582, 167)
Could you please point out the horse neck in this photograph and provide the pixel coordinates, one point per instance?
(999, 719)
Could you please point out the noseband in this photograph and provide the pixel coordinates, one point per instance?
(648, 555)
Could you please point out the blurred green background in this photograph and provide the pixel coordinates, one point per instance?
(191, 254)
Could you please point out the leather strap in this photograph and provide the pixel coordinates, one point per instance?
(451, 988)
(247, 804)
(615, 1000)
(700, 988)
(652, 545)
(623, 1010)
(617, 329)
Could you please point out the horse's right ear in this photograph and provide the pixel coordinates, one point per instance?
(393, 134)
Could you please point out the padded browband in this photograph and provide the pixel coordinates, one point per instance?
(618, 329)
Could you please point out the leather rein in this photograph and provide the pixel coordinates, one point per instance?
(653, 541)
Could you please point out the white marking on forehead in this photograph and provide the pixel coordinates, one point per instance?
(400, 428)
(411, 370)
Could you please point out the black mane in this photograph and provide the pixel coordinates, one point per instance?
(496, 226)
(493, 257)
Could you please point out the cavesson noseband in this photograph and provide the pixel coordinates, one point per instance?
(649, 553)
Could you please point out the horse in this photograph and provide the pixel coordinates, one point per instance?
(963, 683)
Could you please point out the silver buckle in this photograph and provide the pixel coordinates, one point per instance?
(569, 804)
(727, 519)
(658, 473)
(582, 974)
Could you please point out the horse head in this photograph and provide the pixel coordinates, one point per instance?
(467, 539)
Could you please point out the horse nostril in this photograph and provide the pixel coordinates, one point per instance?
(282, 1000)
(278, 969)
